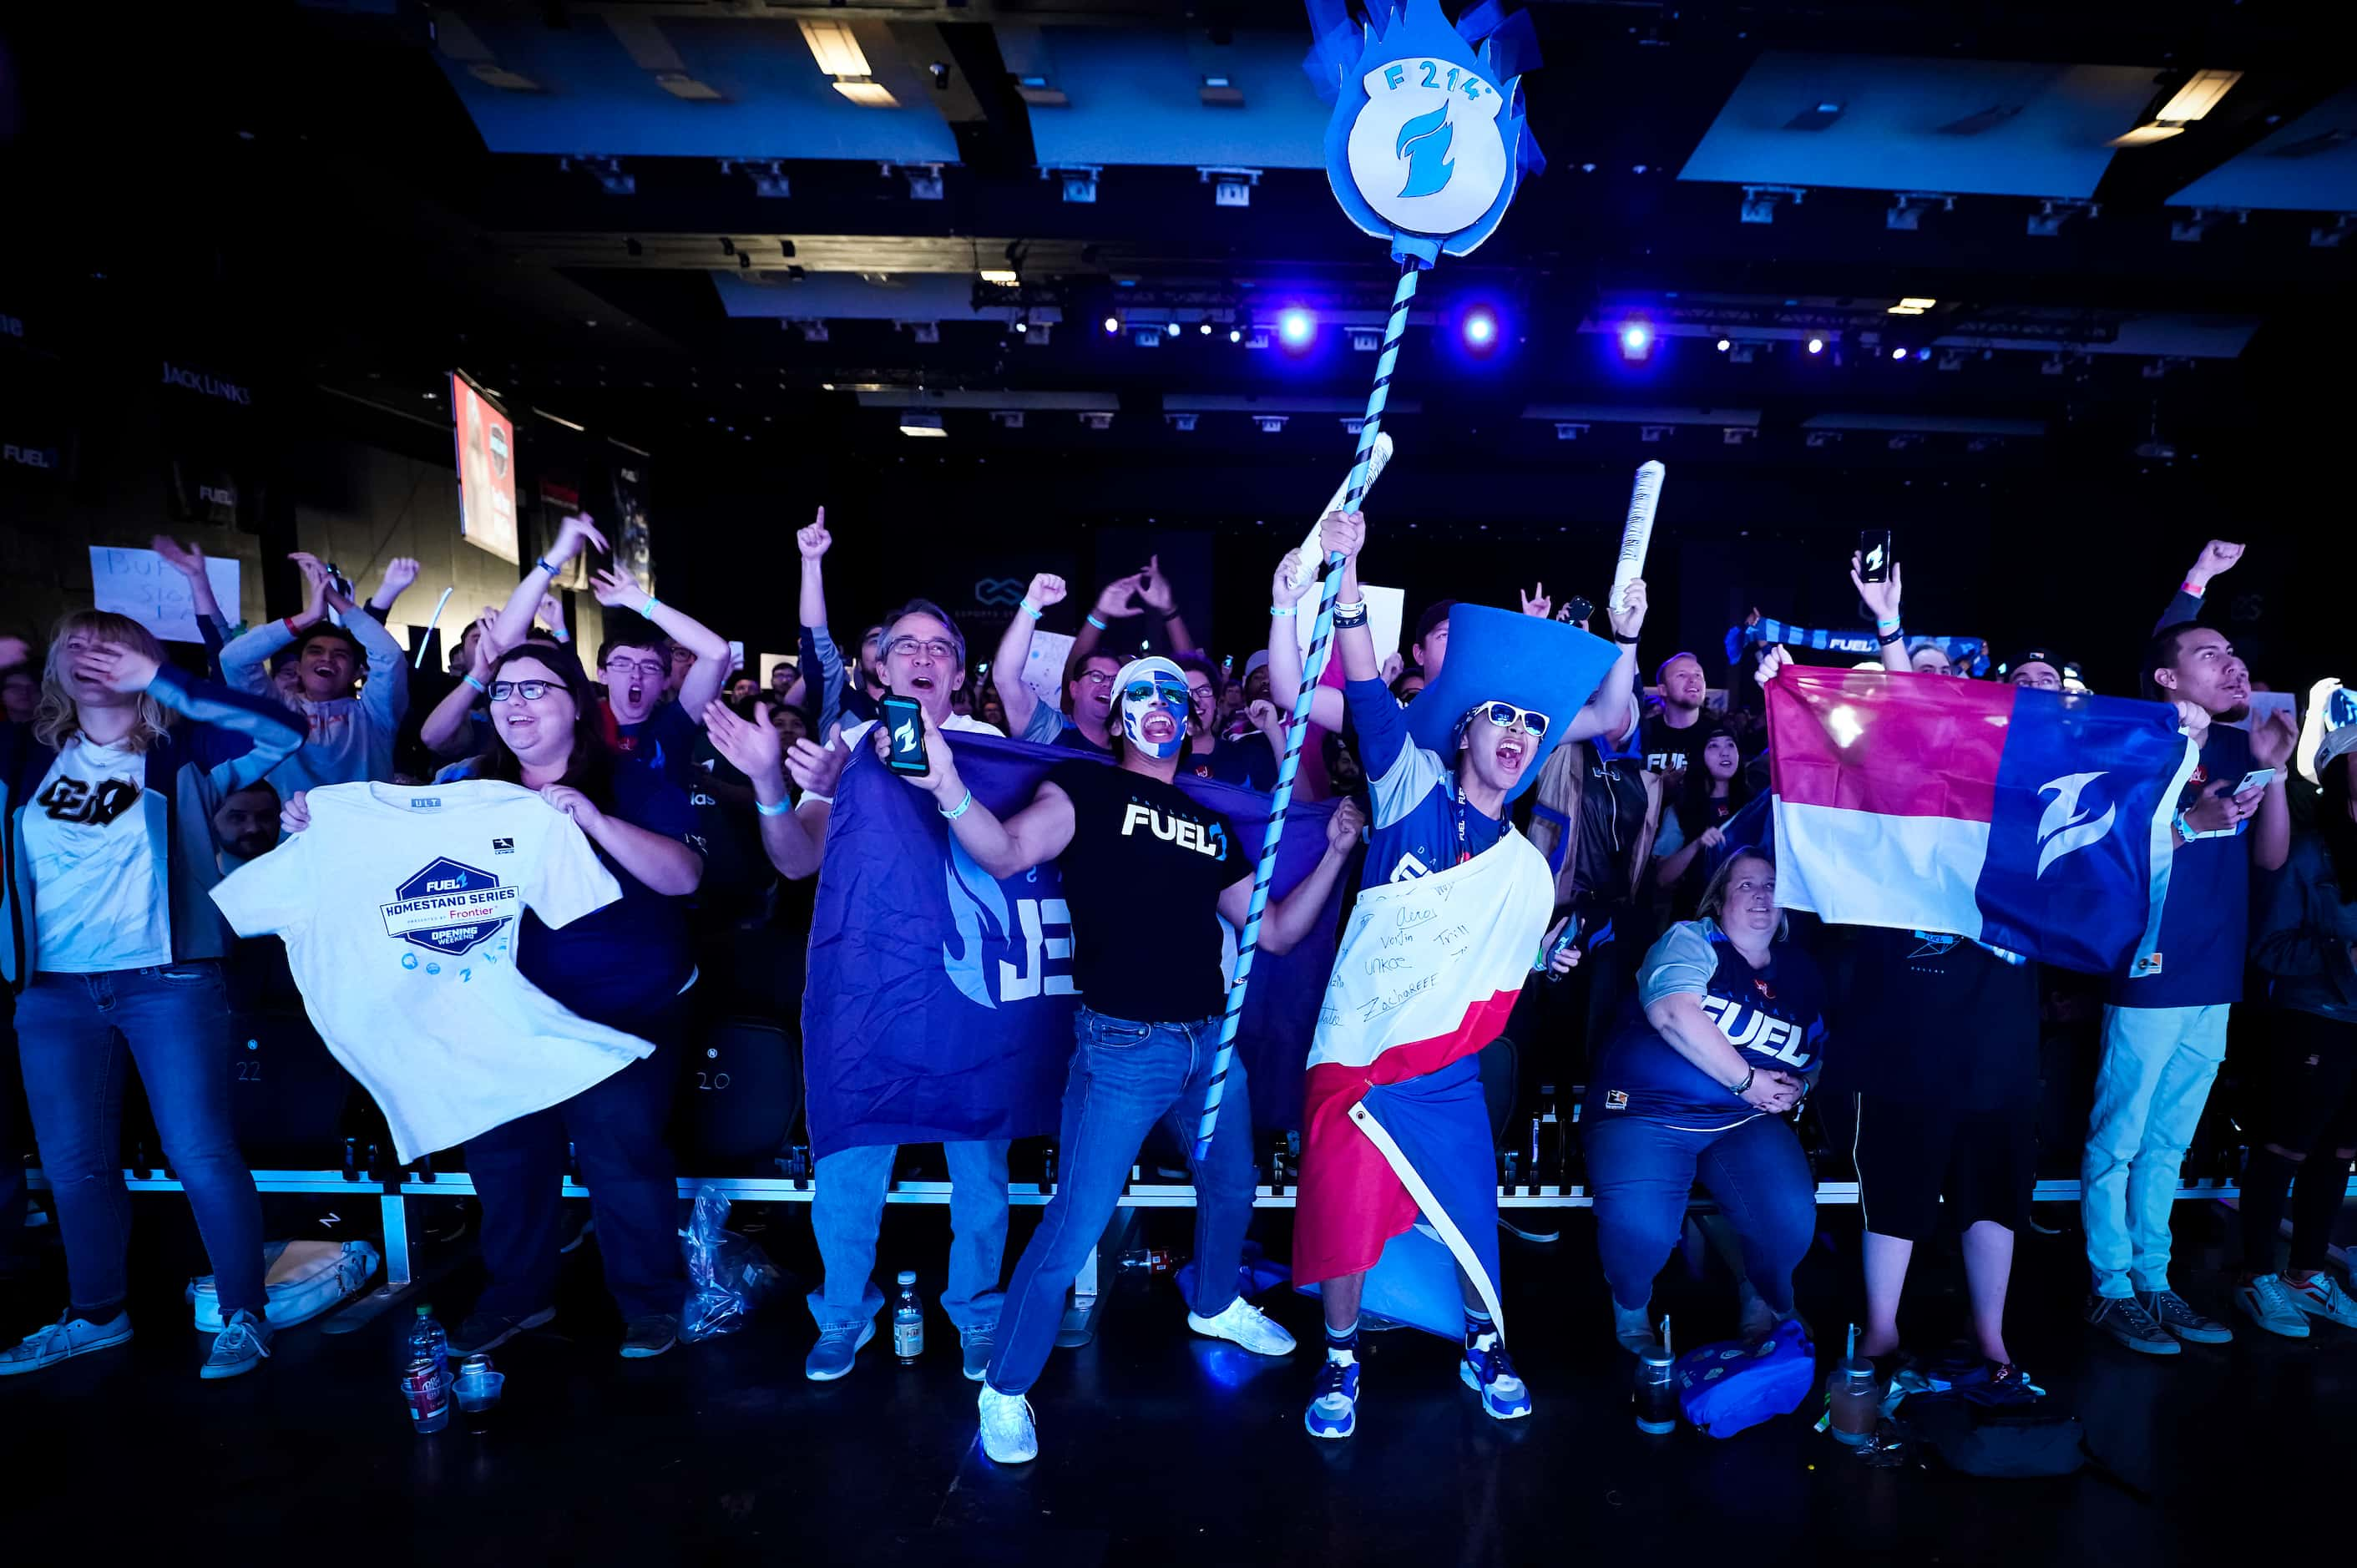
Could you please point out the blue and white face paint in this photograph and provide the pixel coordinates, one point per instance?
(1144, 689)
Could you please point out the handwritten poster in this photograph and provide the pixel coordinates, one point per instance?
(1043, 671)
(138, 584)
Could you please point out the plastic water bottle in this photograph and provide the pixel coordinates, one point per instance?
(907, 1321)
(428, 1343)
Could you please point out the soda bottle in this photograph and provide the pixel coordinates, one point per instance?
(427, 1396)
(428, 1343)
(907, 1321)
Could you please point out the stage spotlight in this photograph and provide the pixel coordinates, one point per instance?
(1205, 329)
(1023, 326)
(1235, 334)
(1636, 339)
(1816, 345)
(1173, 328)
(1899, 353)
(1725, 344)
(1480, 329)
(1112, 323)
(1922, 353)
(1295, 325)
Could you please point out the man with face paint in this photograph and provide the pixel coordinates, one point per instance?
(1150, 876)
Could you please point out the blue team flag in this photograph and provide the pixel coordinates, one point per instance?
(939, 999)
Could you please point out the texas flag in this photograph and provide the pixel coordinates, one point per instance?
(2036, 822)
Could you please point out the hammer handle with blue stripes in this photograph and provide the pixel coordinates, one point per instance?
(1313, 665)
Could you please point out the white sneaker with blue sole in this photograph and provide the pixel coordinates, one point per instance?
(67, 1337)
(1333, 1410)
(1490, 1373)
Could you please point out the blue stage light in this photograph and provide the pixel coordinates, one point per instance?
(1295, 325)
(1725, 344)
(1481, 329)
(1899, 353)
(1112, 323)
(1816, 345)
(1635, 338)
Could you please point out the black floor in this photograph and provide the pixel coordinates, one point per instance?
(1156, 1446)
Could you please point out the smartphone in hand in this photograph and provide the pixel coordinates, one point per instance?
(905, 724)
(1873, 555)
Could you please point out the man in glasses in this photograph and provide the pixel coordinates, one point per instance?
(924, 659)
(1085, 720)
(1452, 916)
(1149, 873)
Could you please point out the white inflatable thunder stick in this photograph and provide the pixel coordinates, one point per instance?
(1644, 495)
(1312, 553)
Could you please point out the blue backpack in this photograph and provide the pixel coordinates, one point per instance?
(1726, 1388)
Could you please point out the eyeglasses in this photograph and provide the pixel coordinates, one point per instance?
(1170, 692)
(1094, 678)
(645, 668)
(1505, 715)
(523, 691)
(908, 648)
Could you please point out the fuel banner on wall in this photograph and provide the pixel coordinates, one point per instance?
(486, 437)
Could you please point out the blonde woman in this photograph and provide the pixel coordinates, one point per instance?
(115, 948)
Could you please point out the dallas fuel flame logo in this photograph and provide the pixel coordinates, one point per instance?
(1423, 139)
(2065, 828)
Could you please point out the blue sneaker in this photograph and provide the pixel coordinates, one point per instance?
(1333, 1410)
(1490, 1373)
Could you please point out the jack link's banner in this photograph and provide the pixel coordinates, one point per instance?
(939, 999)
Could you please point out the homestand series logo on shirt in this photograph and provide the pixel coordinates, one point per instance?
(450, 909)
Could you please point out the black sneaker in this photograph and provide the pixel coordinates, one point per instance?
(483, 1331)
(650, 1336)
(2177, 1317)
(2125, 1320)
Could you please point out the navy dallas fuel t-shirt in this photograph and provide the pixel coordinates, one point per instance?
(1774, 1016)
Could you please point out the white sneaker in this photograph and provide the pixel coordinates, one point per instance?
(2268, 1301)
(1243, 1324)
(69, 1336)
(1008, 1435)
(241, 1346)
(2320, 1295)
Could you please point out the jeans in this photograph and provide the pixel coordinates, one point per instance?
(1125, 1076)
(847, 1211)
(616, 1127)
(1641, 1174)
(75, 1034)
(2157, 1064)
(12, 1167)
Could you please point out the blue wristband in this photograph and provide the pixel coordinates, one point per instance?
(648, 609)
(1283, 612)
(478, 686)
(961, 809)
(1097, 623)
(544, 566)
(1033, 611)
(767, 809)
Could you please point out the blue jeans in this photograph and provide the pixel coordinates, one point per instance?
(1125, 1078)
(1641, 1174)
(2157, 1066)
(847, 1211)
(616, 1127)
(77, 1034)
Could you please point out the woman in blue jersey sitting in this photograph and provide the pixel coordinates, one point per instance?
(1727, 1035)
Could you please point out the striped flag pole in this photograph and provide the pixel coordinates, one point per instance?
(1313, 665)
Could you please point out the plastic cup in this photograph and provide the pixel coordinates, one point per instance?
(481, 1392)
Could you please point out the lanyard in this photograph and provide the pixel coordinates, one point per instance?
(1456, 814)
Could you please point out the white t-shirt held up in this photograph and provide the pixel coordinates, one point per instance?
(399, 908)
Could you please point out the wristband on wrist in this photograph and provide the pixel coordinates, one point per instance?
(1350, 620)
(292, 629)
(1624, 641)
(2191, 587)
(1883, 623)
(648, 609)
(1034, 612)
(562, 635)
(1740, 1089)
(1283, 612)
(1349, 608)
(1896, 634)
(1097, 621)
(543, 563)
(478, 686)
(779, 810)
(2184, 826)
(960, 810)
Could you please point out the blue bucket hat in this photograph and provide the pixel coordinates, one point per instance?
(1499, 656)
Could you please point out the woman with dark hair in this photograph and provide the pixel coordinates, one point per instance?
(1711, 794)
(1726, 1035)
(626, 966)
(115, 949)
(2305, 938)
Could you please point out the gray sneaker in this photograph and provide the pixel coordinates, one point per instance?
(69, 1336)
(977, 1344)
(2124, 1319)
(2267, 1302)
(649, 1337)
(837, 1347)
(2320, 1295)
(1633, 1326)
(242, 1345)
(2176, 1315)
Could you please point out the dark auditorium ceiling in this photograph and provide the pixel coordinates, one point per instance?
(658, 219)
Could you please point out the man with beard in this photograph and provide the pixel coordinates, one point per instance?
(2165, 1028)
(1669, 741)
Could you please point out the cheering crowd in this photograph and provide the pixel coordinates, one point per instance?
(173, 840)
